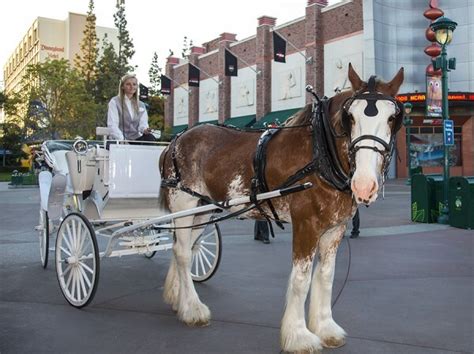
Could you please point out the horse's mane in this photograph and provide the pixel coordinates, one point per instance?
(335, 108)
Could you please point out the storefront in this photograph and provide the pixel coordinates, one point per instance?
(426, 136)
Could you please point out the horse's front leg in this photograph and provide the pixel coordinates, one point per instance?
(295, 336)
(320, 312)
(179, 287)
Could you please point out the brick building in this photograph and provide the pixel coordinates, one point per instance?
(377, 37)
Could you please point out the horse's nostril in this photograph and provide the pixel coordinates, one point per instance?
(359, 199)
(370, 196)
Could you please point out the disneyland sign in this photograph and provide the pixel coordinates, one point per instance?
(53, 52)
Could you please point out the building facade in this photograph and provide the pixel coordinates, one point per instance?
(377, 37)
(49, 39)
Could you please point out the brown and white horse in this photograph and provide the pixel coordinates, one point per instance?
(217, 162)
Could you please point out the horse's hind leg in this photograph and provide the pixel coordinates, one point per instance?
(320, 312)
(295, 336)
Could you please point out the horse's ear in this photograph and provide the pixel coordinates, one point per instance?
(396, 82)
(355, 80)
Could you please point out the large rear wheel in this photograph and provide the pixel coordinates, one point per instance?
(207, 250)
(77, 260)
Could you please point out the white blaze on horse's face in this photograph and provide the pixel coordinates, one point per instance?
(368, 162)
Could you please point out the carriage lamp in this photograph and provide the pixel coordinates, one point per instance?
(443, 28)
(407, 122)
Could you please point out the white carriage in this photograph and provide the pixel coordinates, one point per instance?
(109, 189)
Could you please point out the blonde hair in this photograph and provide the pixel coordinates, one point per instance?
(134, 98)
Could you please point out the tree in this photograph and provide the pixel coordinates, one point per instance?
(86, 60)
(126, 49)
(107, 81)
(154, 75)
(186, 47)
(3, 98)
(10, 140)
(52, 102)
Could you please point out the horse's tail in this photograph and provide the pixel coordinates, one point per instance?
(165, 160)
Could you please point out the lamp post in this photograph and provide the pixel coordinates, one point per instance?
(443, 28)
(407, 122)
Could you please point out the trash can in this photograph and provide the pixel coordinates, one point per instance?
(436, 183)
(461, 202)
(426, 196)
(17, 178)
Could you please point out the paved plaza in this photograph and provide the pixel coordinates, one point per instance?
(409, 290)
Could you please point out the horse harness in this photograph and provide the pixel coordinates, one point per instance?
(325, 161)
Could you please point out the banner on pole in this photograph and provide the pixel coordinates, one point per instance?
(230, 63)
(279, 48)
(193, 75)
(165, 85)
(434, 96)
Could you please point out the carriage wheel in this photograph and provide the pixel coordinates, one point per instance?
(150, 254)
(43, 233)
(77, 260)
(207, 251)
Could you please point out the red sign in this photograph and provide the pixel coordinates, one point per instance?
(420, 97)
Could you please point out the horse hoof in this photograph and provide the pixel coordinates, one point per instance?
(331, 334)
(333, 342)
(301, 342)
(196, 315)
(200, 323)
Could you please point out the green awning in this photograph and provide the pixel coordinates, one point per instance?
(278, 116)
(208, 122)
(178, 129)
(241, 122)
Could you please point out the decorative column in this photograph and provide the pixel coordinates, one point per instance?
(315, 47)
(264, 65)
(433, 50)
(169, 99)
(224, 88)
(193, 98)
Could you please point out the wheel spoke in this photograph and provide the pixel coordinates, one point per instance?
(82, 238)
(201, 263)
(73, 283)
(73, 234)
(208, 243)
(65, 251)
(205, 258)
(86, 267)
(205, 249)
(84, 275)
(66, 271)
(195, 262)
(78, 286)
(81, 278)
(66, 237)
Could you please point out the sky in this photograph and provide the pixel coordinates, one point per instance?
(154, 26)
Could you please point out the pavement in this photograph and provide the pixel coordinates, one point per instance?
(409, 290)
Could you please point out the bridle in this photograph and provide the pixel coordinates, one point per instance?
(371, 96)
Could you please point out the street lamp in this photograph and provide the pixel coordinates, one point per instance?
(407, 122)
(443, 28)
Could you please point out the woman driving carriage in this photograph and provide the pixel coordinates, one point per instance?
(127, 117)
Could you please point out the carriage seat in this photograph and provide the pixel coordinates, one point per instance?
(55, 155)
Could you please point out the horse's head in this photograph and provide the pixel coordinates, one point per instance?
(371, 116)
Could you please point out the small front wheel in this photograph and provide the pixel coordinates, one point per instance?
(207, 251)
(43, 233)
(77, 260)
